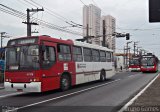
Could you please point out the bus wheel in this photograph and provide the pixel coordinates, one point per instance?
(103, 75)
(65, 83)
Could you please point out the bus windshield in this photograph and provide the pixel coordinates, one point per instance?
(134, 62)
(22, 57)
(148, 61)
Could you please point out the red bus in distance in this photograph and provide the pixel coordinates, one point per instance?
(149, 63)
(135, 64)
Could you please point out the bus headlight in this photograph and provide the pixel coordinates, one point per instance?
(34, 80)
(6, 80)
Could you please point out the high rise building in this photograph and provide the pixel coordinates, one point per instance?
(110, 26)
(91, 18)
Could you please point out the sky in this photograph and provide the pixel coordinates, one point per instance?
(131, 17)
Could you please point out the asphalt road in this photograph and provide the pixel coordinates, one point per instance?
(108, 96)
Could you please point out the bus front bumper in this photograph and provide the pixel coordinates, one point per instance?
(134, 69)
(23, 87)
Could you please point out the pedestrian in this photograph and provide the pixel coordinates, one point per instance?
(121, 67)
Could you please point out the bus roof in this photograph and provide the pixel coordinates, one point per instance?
(70, 42)
(93, 46)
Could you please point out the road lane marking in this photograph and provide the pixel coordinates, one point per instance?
(131, 75)
(44, 101)
(138, 94)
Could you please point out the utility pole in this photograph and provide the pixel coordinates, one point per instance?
(129, 56)
(104, 35)
(138, 53)
(134, 45)
(87, 33)
(127, 53)
(28, 20)
(3, 35)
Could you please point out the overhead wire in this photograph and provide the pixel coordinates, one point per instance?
(23, 3)
(132, 29)
(41, 22)
(53, 13)
(82, 2)
(30, 3)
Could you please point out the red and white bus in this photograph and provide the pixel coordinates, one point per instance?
(149, 63)
(43, 63)
(135, 64)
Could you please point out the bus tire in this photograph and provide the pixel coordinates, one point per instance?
(102, 75)
(64, 83)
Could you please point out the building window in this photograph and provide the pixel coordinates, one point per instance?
(77, 54)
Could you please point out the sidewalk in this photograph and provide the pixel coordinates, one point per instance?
(119, 71)
(149, 101)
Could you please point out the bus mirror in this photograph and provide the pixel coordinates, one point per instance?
(43, 48)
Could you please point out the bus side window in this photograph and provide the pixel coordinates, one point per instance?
(102, 56)
(48, 57)
(87, 54)
(112, 57)
(95, 55)
(108, 55)
(77, 54)
(64, 52)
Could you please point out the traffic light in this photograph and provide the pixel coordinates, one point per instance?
(127, 36)
(154, 10)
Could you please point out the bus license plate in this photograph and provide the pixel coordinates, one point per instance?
(19, 90)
